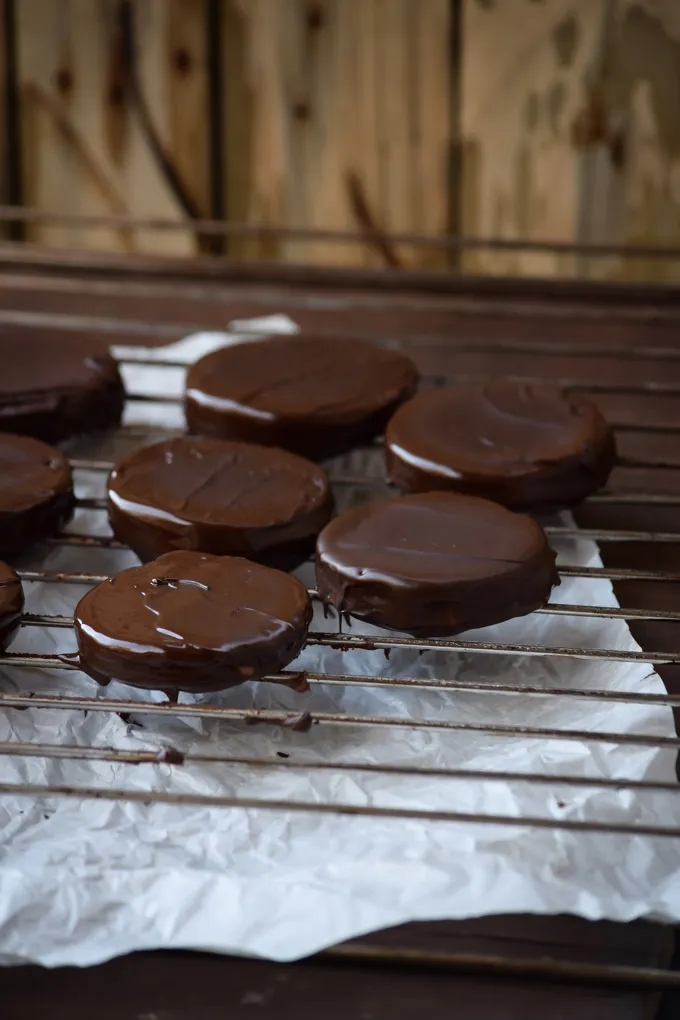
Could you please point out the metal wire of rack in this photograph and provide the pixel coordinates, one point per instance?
(345, 641)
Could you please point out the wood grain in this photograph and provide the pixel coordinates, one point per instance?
(4, 154)
(187, 95)
(568, 131)
(518, 100)
(319, 93)
(567, 112)
(84, 148)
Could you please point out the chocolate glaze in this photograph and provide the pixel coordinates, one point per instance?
(533, 448)
(435, 564)
(53, 388)
(318, 397)
(231, 499)
(188, 621)
(36, 493)
(11, 605)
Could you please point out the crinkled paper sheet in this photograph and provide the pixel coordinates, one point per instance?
(83, 880)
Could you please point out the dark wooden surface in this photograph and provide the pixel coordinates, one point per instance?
(547, 329)
(196, 986)
(183, 986)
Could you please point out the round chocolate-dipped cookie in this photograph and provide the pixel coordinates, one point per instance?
(191, 622)
(214, 496)
(435, 564)
(318, 397)
(532, 448)
(11, 605)
(53, 388)
(36, 493)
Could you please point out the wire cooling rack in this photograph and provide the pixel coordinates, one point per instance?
(344, 640)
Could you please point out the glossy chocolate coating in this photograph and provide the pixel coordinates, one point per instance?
(435, 564)
(11, 605)
(53, 387)
(231, 499)
(36, 493)
(532, 448)
(191, 622)
(317, 397)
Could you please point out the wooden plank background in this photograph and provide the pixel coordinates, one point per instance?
(3, 120)
(334, 109)
(84, 147)
(571, 129)
(347, 114)
(521, 91)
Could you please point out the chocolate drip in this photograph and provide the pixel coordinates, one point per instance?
(212, 622)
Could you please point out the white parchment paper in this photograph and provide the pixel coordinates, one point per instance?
(83, 880)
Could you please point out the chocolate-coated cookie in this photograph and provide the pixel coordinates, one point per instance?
(434, 564)
(188, 621)
(11, 605)
(215, 496)
(53, 386)
(532, 448)
(36, 493)
(315, 396)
